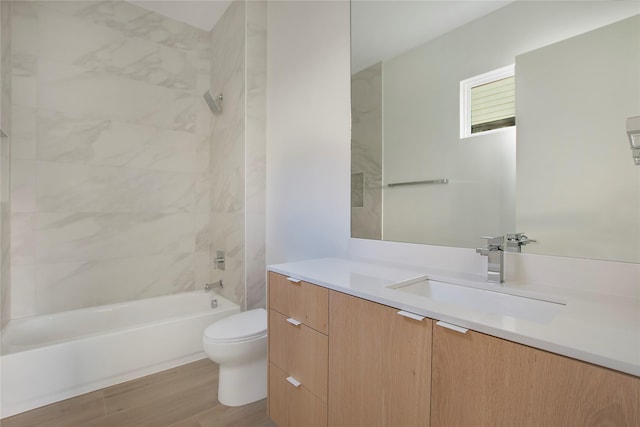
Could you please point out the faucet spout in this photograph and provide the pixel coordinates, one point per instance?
(495, 255)
(209, 286)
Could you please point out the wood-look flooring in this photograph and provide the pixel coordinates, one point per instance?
(185, 396)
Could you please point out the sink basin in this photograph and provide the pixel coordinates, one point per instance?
(538, 309)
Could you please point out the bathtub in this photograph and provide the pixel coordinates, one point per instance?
(49, 358)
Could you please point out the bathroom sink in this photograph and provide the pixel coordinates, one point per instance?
(540, 309)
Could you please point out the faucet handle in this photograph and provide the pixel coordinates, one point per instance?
(521, 237)
(515, 241)
(494, 242)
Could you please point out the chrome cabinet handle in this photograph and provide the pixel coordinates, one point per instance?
(293, 280)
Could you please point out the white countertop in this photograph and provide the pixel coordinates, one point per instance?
(594, 327)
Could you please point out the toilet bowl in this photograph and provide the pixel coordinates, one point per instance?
(238, 344)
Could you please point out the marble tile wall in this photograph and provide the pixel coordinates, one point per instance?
(366, 152)
(238, 170)
(5, 163)
(110, 159)
(256, 170)
(228, 149)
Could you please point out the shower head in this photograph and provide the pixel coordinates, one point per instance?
(214, 103)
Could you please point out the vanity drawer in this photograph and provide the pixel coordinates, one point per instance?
(291, 405)
(301, 352)
(300, 300)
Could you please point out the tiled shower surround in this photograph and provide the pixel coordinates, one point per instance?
(5, 158)
(111, 179)
(238, 156)
(366, 149)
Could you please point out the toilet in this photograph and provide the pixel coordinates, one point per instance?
(238, 344)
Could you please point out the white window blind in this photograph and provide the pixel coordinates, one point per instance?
(493, 105)
(488, 102)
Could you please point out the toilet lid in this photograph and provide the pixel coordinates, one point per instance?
(238, 327)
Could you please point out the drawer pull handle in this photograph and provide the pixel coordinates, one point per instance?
(452, 327)
(411, 315)
(294, 382)
(294, 322)
(293, 280)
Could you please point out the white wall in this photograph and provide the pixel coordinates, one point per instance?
(564, 130)
(308, 137)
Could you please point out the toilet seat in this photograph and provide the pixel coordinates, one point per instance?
(238, 327)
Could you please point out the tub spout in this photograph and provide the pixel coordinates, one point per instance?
(210, 286)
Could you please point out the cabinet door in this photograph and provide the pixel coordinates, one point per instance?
(379, 365)
(479, 380)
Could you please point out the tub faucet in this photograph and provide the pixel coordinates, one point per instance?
(209, 286)
(495, 255)
(218, 261)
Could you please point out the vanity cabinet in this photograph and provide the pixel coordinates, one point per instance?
(298, 352)
(342, 361)
(479, 380)
(380, 365)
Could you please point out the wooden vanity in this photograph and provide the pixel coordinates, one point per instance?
(343, 361)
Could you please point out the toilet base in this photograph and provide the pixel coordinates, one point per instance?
(242, 383)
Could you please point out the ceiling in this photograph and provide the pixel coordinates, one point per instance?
(381, 30)
(203, 14)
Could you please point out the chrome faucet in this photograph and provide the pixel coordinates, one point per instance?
(495, 254)
(218, 261)
(209, 286)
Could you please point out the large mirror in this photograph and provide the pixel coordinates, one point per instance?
(563, 173)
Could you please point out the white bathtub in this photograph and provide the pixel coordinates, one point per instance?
(49, 358)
